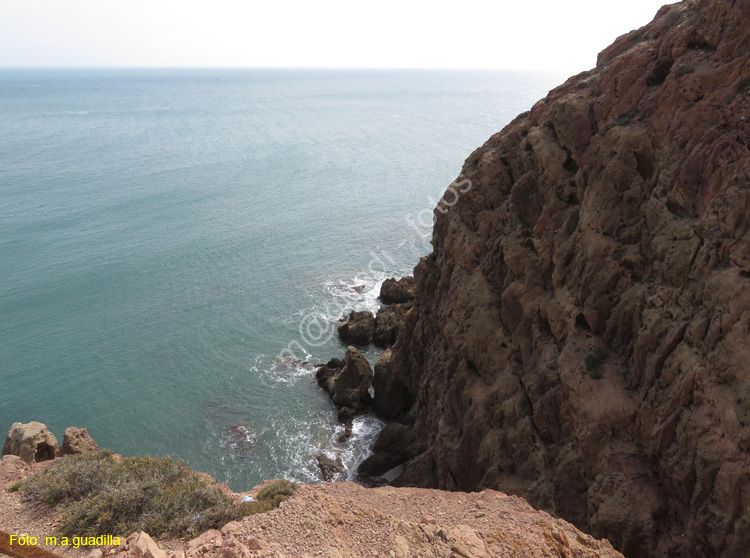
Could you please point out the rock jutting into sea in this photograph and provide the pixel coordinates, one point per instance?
(580, 332)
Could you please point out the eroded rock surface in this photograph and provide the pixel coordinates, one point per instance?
(397, 291)
(581, 331)
(77, 440)
(32, 442)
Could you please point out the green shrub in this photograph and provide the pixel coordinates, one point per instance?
(101, 495)
(684, 70)
(14, 487)
(636, 36)
(279, 488)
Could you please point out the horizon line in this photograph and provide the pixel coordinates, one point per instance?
(347, 68)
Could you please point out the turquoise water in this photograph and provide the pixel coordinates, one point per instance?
(166, 234)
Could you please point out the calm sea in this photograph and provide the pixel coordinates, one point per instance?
(165, 235)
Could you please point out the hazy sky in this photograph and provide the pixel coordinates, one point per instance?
(534, 34)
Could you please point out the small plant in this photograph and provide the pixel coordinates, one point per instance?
(595, 363)
(14, 487)
(280, 489)
(684, 70)
(101, 495)
(637, 35)
(674, 18)
(726, 258)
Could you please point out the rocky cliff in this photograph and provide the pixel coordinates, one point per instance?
(581, 330)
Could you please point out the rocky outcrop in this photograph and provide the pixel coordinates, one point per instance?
(580, 331)
(32, 442)
(346, 520)
(77, 440)
(357, 328)
(347, 382)
(397, 291)
(388, 323)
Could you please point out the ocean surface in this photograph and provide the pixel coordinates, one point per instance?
(170, 239)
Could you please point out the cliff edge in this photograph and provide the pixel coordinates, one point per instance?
(580, 330)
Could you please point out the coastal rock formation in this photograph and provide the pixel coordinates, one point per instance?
(334, 520)
(580, 332)
(357, 328)
(397, 291)
(388, 323)
(347, 382)
(32, 442)
(77, 440)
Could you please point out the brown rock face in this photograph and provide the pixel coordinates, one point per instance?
(77, 440)
(32, 442)
(388, 323)
(397, 291)
(580, 333)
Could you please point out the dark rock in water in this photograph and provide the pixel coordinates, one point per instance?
(242, 437)
(358, 288)
(349, 384)
(329, 468)
(357, 328)
(348, 426)
(346, 416)
(388, 323)
(394, 291)
(325, 373)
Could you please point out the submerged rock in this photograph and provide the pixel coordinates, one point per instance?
(242, 437)
(32, 442)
